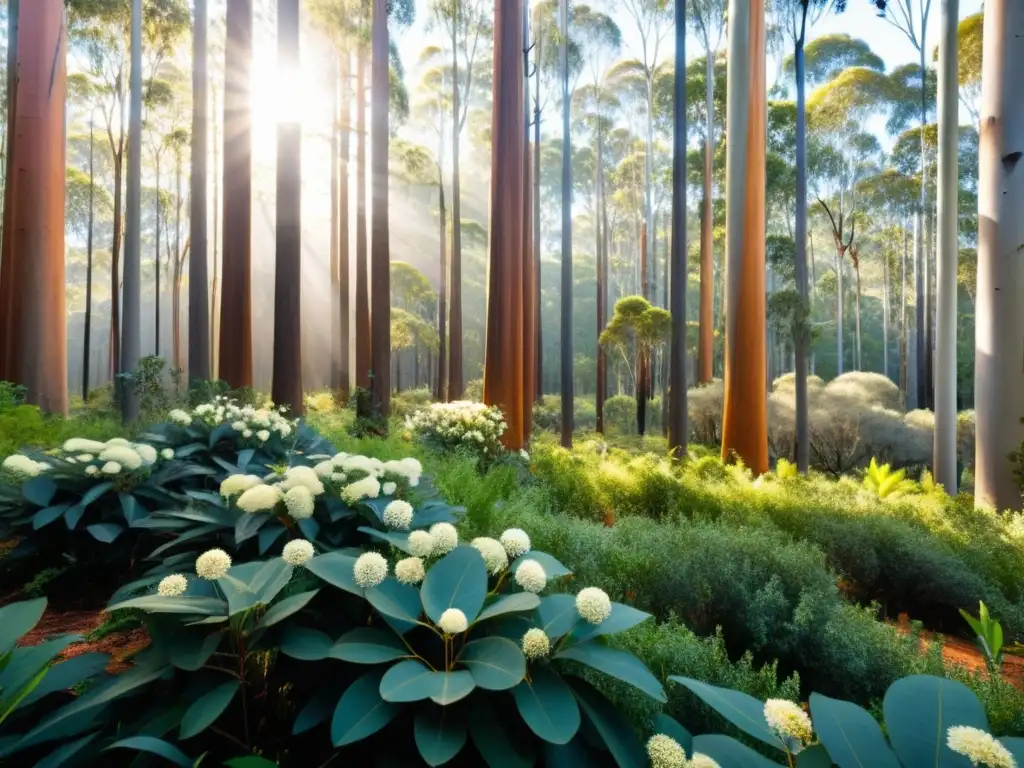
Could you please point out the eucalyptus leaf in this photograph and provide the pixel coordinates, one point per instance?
(305, 644)
(39, 490)
(621, 619)
(511, 603)
(361, 711)
(105, 532)
(394, 599)
(337, 569)
(290, 605)
(496, 664)
(154, 746)
(248, 525)
(850, 734)
(621, 664)
(548, 706)
(206, 709)
(439, 735)
(552, 567)
(557, 615)
(740, 709)
(130, 509)
(616, 732)
(17, 619)
(367, 645)
(492, 741)
(47, 515)
(729, 752)
(268, 535)
(457, 580)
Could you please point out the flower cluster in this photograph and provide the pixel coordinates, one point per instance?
(979, 747)
(593, 605)
(297, 487)
(666, 752)
(23, 466)
(93, 457)
(788, 721)
(297, 552)
(463, 423)
(364, 477)
(255, 425)
(535, 644)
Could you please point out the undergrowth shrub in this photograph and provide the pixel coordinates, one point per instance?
(408, 400)
(547, 414)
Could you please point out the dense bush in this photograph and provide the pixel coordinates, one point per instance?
(462, 425)
(408, 400)
(547, 414)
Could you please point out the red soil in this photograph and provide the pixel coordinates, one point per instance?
(120, 645)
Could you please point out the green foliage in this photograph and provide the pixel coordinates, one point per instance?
(920, 715)
(154, 386)
(887, 484)
(11, 395)
(989, 634)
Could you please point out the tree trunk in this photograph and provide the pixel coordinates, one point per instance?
(885, 316)
(7, 263)
(801, 340)
(840, 269)
(528, 290)
(363, 351)
(380, 326)
(236, 303)
(156, 297)
(286, 387)
(34, 333)
(601, 290)
(455, 376)
(706, 324)
(920, 253)
(335, 269)
(677, 432)
(538, 331)
(858, 363)
(944, 462)
(929, 312)
(344, 270)
(999, 383)
(176, 314)
(198, 308)
(915, 398)
(114, 347)
(214, 312)
(504, 378)
(131, 350)
(566, 319)
(87, 336)
(904, 336)
(744, 422)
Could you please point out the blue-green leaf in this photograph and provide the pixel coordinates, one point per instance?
(94, 493)
(68, 673)
(285, 608)
(105, 532)
(198, 606)
(317, 710)
(192, 650)
(728, 752)
(336, 568)
(547, 706)
(622, 618)
(47, 515)
(60, 756)
(451, 687)
(248, 525)
(367, 645)
(394, 599)
(154, 746)
(361, 711)
(268, 535)
(305, 644)
(397, 539)
(206, 709)
(439, 735)
(1016, 747)
(74, 515)
(920, 709)
(850, 734)
(244, 457)
(815, 756)
(130, 509)
(616, 732)
(496, 664)
(557, 615)
(18, 618)
(621, 664)
(491, 740)
(552, 568)
(411, 680)
(457, 580)
(740, 709)
(668, 726)
(511, 603)
(39, 490)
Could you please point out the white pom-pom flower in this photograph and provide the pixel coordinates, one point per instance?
(123, 455)
(493, 553)
(398, 515)
(172, 586)
(81, 444)
(445, 536)
(421, 544)
(147, 452)
(531, 577)
(259, 498)
(700, 760)
(22, 465)
(409, 570)
(324, 469)
(453, 622)
(370, 569)
(516, 542)
(338, 477)
(389, 488)
(299, 502)
(302, 476)
(110, 468)
(297, 552)
(788, 720)
(235, 485)
(665, 752)
(593, 605)
(263, 435)
(238, 426)
(212, 564)
(84, 457)
(978, 746)
(367, 488)
(167, 454)
(92, 470)
(535, 644)
(119, 441)
(179, 416)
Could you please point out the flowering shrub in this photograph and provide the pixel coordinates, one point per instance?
(460, 425)
(324, 650)
(928, 721)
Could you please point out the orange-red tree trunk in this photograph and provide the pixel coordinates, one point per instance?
(34, 332)
(744, 423)
(236, 303)
(506, 369)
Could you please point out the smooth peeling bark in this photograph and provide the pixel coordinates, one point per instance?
(566, 283)
(706, 316)
(334, 77)
(344, 272)
(34, 335)
(286, 387)
(380, 323)
(198, 296)
(504, 368)
(802, 340)
(7, 262)
(456, 382)
(944, 460)
(999, 319)
(602, 281)
(363, 350)
(236, 302)
(744, 422)
(528, 292)
(677, 432)
(131, 343)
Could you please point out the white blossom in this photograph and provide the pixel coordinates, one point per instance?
(516, 542)
(665, 752)
(421, 544)
(493, 553)
(212, 564)
(92, 470)
(299, 502)
(700, 760)
(179, 416)
(389, 488)
(259, 498)
(324, 469)
(304, 476)
(85, 458)
(788, 720)
(263, 435)
(297, 552)
(530, 576)
(147, 452)
(22, 465)
(233, 485)
(409, 570)
(167, 454)
(238, 426)
(978, 746)
(123, 455)
(453, 622)
(535, 644)
(445, 536)
(110, 468)
(367, 488)
(172, 586)
(398, 515)
(370, 569)
(593, 605)
(76, 444)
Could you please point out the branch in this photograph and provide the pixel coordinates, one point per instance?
(835, 229)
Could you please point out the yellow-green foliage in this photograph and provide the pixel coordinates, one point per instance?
(885, 483)
(320, 402)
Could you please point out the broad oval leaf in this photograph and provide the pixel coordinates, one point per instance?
(361, 711)
(512, 603)
(94, 493)
(622, 618)
(268, 535)
(317, 710)
(305, 644)
(190, 651)
(452, 686)
(492, 741)
(130, 509)
(48, 515)
(248, 525)
(557, 615)
(547, 706)
(408, 680)
(552, 567)
(439, 736)
(740, 709)
(729, 752)
(457, 580)
(205, 710)
(336, 568)
(197, 606)
(920, 709)
(39, 490)
(616, 732)
(394, 599)
(850, 734)
(668, 726)
(815, 756)
(154, 746)
(367, 645)
(290, 605)
(399, 540)
(621, 664)
(18, 618)
(105, 532)
(496, 664)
